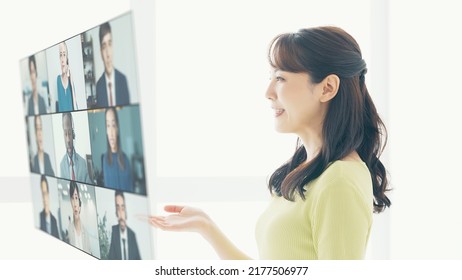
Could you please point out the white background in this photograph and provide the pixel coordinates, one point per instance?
(210, 122)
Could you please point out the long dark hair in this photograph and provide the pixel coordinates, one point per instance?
(119, 146)
(351, 123)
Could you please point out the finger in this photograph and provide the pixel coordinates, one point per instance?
(142, 217)
(159, 219)
(173, 208)
(147, 218)
(158, 223)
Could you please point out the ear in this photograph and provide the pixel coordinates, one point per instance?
(330, 86)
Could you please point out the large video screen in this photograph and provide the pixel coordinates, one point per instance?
(84, 135)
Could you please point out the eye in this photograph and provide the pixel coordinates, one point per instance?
(279, 79)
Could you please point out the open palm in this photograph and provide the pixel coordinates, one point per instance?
(183, 218)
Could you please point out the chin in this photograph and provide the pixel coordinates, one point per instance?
(282, 129)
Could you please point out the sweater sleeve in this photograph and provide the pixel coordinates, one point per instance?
(341, 221)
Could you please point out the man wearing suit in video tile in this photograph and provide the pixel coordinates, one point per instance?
(112, 86)
(47, 220)
(36, 104)
(41, 162)
(123, 240)
(73, 166)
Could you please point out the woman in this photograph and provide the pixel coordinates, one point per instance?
(324, 196)
(116, 167)
(78, 235)
(65, 88)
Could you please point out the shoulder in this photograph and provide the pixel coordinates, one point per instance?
(119, 74)
(125, 157)
(343, 179)
(101, 80)
(131, 232)
(46, 156)
(348, 172)
(79, 158)
(126, 160)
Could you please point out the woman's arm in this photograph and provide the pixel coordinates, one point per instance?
(184, 218)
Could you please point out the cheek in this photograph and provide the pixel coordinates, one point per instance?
(305, 108)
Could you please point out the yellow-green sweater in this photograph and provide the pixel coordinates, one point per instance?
(333, 222)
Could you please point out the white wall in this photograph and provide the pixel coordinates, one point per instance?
(212, 74)
(425, 137)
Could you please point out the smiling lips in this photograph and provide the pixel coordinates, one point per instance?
(278, 112)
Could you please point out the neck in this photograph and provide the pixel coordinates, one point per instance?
(312, 141)
(109, 73)
(64, 78)
(77, 225)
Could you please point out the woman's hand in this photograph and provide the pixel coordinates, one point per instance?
(183, 218)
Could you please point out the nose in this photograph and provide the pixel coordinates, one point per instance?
(270, 93)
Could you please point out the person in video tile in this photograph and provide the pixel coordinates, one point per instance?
(123, 240)
(65, 88)
(73, 166)
(47, 220)
(112, 86)
(117, 172)
(41, 163)
(36, 103)
(78, 235)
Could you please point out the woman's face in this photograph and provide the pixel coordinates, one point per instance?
(63, 58)
(112, 130)
(295, 101)
(75, 204)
